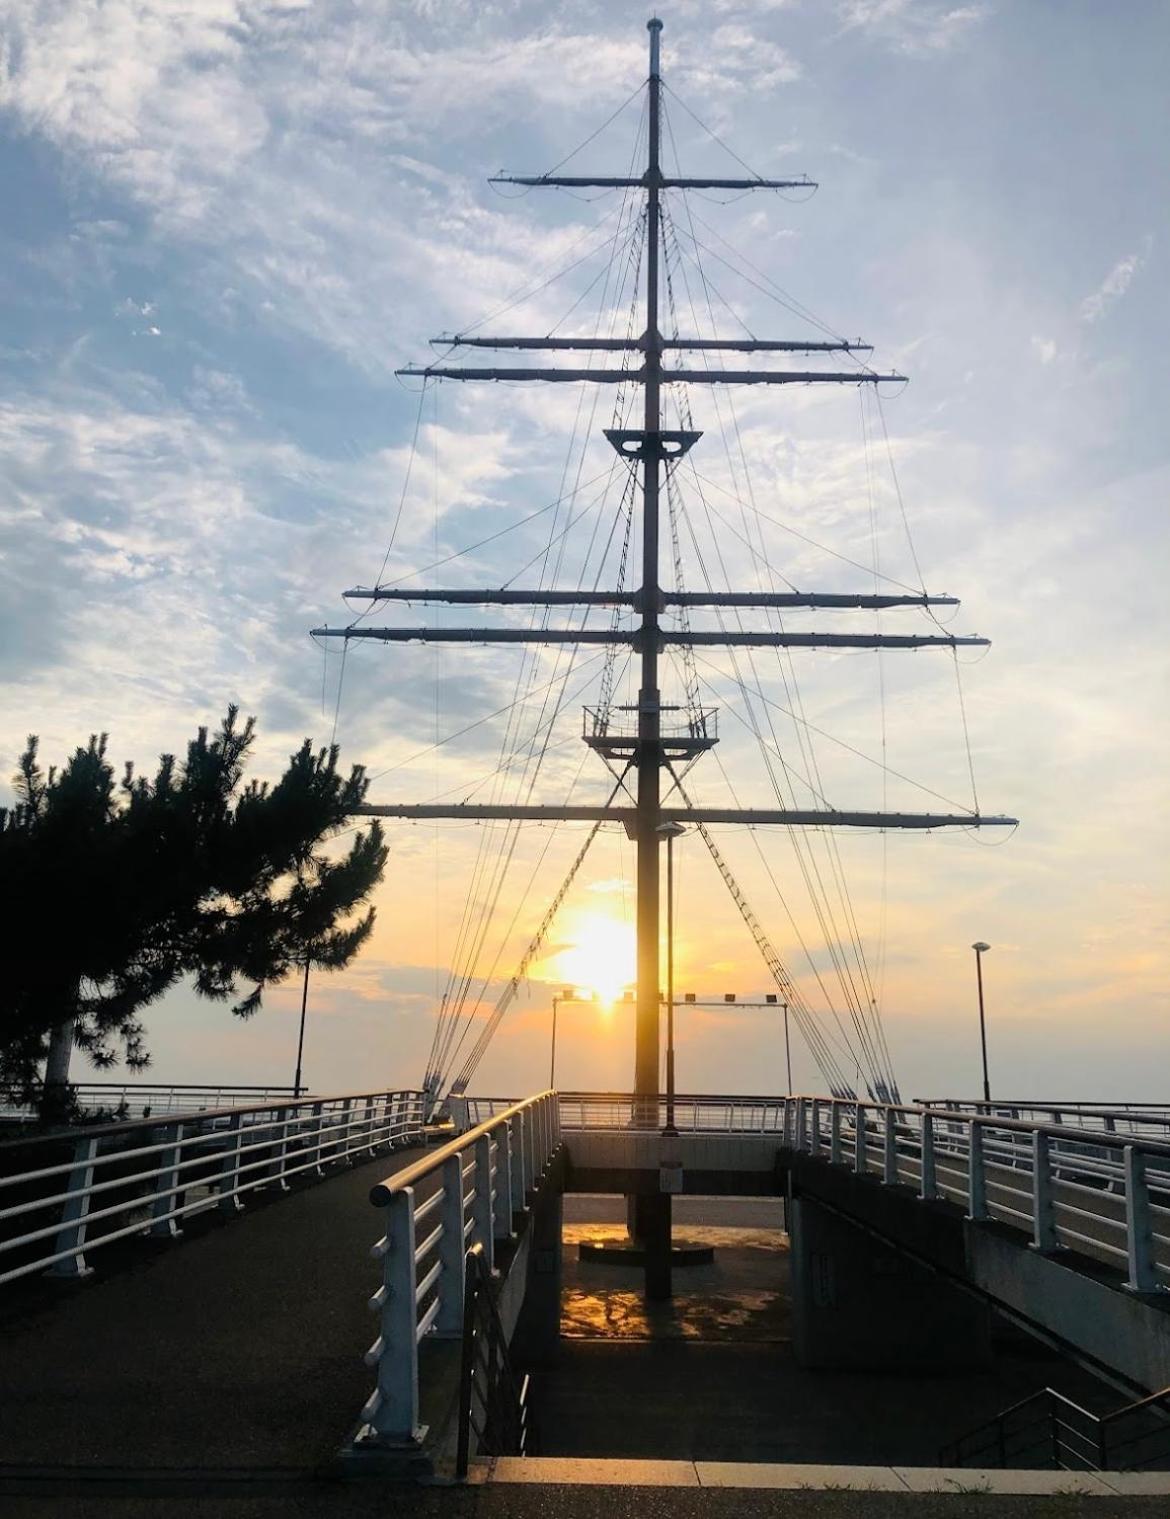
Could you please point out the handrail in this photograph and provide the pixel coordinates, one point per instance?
(477, 1187)
(130, 1125)
(126, 1181)
(1103, 1194)
(994, 1435)
(511, 1434)
(382, 1192)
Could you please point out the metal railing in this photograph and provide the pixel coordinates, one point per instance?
(144, 1099)
(1099, 1185)
(1050, 1432)
(693, 1113)
(1149, 1120)
(469, 1192)
(1103, 1194)
(493, 1398)
(118, 1180)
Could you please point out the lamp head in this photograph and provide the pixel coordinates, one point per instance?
(669, 830)
(979, 946)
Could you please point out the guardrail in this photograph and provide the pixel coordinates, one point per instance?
(1150, 1120)
(1100, 1187)
(1104, 1194)
(147, 1099)
(693, 1112)
(1049, 1431)
(473, 1189)
(141, 1178)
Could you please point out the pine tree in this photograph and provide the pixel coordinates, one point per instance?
(121, 889)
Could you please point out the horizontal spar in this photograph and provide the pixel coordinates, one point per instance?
(633, 638)
(669, 376)
(634, 598)
(478, 813)
(618, 182)
(500, 598)
(626, 345)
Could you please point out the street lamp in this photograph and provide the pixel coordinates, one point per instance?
(980, 950)
(670, 832)
(566, 996)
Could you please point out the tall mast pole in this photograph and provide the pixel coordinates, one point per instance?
(646, 1039)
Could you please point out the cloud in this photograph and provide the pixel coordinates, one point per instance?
(1115, 283)
(918, 28)
(1044, 349)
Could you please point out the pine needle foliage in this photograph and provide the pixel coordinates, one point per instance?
(118, 889)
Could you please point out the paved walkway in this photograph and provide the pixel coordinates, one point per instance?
(239, 1347)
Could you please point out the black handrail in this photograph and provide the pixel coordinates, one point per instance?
(487, 1378)
(1095, 1446)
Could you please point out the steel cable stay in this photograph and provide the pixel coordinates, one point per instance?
(862, 1010)
(475, 927)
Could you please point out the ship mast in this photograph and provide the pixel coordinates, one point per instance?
(649, 750)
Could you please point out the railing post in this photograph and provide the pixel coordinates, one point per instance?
(1139, 1235)
(516, 1148)
(976, 1172)
(71, 1235)
(835, 1133)
(483, 1208)
(395, 1418)
(800, 1124)
(502, 1214)
(814, 1139)
(1043, 1218)
(890, 1148)
(341, 1148)
(167, 1187)
(928, 1186)
(531, 1161)
(279, 1161)
(229, 1168)
(859, 1162)
(318, 1110)
(369, 1122)
(452, 1249)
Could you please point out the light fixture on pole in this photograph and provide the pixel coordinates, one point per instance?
(567, 995)
(980, 950)
(670, 832)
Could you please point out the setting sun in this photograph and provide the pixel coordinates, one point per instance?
(600, 956)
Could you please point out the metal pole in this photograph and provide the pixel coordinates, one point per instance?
(670, 1128)
(301, 1036)
(979, 948)
(649, 762)
(787, 1049)
(552, 1062)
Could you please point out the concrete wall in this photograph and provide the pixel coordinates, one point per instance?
(859, 1303)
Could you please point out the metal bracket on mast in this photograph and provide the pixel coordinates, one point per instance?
(636, 443)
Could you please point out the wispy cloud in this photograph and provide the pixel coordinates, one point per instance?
(1115, 283)
(915, 27)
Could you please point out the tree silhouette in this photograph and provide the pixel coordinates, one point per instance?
(118, 890)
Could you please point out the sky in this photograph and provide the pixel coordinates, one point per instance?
(227, 224)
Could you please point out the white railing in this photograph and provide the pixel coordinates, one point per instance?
(146, 1099)
(1148, 1120)
(469, 1192)
(1101, 1193)
(1094, 1180)
(119, 1180)
(701, 1114)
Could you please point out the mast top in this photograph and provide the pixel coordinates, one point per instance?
(654, 27)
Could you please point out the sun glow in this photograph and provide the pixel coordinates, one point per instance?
(600, 957)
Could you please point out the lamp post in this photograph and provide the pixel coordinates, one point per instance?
(787, 1048)
(670, 832)
(566, 996)
(980, 950)
(301, 1034)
